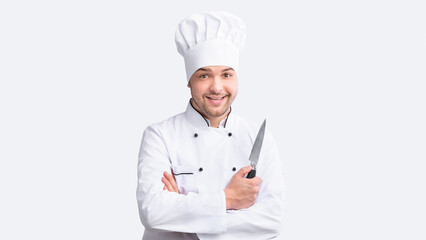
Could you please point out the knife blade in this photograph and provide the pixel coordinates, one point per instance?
(255, 151)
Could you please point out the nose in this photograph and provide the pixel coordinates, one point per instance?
(216, 85)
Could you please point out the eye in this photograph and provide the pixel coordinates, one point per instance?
(204, 76)
(227, 75)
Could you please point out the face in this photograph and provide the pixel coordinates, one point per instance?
(213, 89)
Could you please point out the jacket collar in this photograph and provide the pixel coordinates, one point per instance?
(196, 119)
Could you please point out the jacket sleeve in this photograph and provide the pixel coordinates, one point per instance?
(263, 220)
(162, 210)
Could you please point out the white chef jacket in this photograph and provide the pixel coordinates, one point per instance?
(203, 160)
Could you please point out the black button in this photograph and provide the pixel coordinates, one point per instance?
(234, 168)
(229, 134)
(201, 169)
(196, 135)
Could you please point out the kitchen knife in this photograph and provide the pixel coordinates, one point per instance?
(255, 151)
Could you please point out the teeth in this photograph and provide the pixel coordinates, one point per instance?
(216, 98)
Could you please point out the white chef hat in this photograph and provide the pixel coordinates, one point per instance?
(210, 39)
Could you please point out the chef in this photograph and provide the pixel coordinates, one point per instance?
(192, 167)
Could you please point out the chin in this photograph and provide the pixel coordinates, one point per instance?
(219, 113)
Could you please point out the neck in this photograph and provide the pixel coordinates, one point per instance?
(214, 122)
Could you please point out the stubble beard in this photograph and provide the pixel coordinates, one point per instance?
(222, 112)
(205, 109)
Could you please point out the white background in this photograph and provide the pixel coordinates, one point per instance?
(342, 84)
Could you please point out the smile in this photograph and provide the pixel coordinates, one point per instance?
(216, 100)
(216, 97)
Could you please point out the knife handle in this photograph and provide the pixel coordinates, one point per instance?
(251, 174)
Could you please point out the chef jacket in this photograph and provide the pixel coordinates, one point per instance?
(203, 160)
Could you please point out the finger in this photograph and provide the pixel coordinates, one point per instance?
(173, 174)
(256, 180)
(172, 180)
(169, 182)
(170, 189)
(243, 171)
(168, 185)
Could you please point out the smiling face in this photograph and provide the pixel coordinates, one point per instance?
(213, 89)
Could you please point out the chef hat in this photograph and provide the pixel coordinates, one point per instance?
(210, 39)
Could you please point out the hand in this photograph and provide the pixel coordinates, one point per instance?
(169, 182)
(241, 192)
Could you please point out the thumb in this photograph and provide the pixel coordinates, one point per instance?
(243, 171)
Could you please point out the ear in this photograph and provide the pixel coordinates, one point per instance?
(189, 85)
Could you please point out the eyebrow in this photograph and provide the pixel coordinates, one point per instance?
(227, 69)
(203, 69)
(209, 70)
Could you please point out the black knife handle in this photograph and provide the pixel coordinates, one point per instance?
(251, 174)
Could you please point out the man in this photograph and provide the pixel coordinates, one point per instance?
(192, 166)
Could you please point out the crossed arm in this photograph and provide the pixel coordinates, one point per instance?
(232, 209)
(259, 221)
(240, 193)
